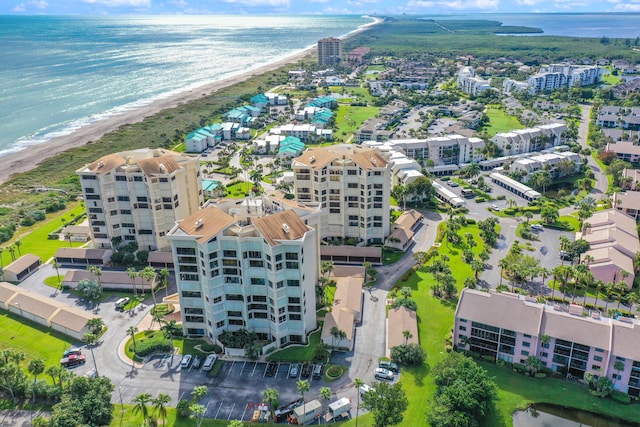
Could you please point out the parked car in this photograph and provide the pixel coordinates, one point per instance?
(364, 389)
(317, 371)
(209, 362)
(452, 184)
(391, 366)
(494, 208)
(122, 302)
(186, 361)
(306, 371)
(71, 350)
(294, 369)
(537, 227)
(197, 361)
(73, 360)
(271, 369)
(384, 374)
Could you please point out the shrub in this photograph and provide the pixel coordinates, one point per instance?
(146, 347)
(470, 221)
(501, 197)
(473, 354)
(520, 368)
(411, 354)
(480, 199)
(621, 397)
(540, 375)
(488, 358)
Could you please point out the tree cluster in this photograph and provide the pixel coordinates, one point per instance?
(464, 393)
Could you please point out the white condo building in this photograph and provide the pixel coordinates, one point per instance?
(138, 195)
(468, 82)
(249, 264)
(352, 185)
(557, 76)
(531, 139)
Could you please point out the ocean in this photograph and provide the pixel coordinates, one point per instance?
(58, 74)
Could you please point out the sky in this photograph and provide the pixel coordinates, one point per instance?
(293, 7)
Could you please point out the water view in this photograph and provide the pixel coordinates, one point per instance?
(543, 415)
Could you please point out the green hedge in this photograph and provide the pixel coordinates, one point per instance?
(147, 347)
(540, 375)
(621, 397)
(520, 368)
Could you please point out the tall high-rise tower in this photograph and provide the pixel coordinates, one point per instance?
(329, 51)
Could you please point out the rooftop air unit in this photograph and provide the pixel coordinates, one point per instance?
(286, 228)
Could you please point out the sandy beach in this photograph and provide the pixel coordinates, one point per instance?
(30, 157)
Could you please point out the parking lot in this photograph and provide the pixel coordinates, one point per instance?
(235, 387)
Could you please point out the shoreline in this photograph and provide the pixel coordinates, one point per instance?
(30, 157)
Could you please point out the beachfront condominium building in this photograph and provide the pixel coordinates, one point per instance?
(138, 195)
(352, 186)
(556, 76)
(329, 51)
(249, 264)
(513, 327)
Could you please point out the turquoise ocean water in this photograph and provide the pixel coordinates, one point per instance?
(60, 73)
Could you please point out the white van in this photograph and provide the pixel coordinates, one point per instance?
(364, 389)
(209, 362)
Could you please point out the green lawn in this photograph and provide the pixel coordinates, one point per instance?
(37, 342)
(34, 239)
(239, 190)
(349, 119)
(500, 122)
(298, 353)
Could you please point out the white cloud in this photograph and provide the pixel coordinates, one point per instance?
(179, 3)
(271, 3)
(40, 4)
(627, 7)
(455, 4)
(19, 8)
(120, 3)
(529, 2)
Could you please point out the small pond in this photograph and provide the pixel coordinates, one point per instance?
(544, 415)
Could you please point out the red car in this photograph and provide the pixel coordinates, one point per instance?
(73, 360)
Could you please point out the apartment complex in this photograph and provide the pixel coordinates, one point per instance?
(352, 185)
(531, 139)
(250, 264)
(329, 51)
(468, 82)
(613, 244)
(556, 76)
(628, 201)
(612, 116)
(137, 196)
(559, 164)
(513, 327)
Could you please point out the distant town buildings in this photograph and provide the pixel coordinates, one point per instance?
(357, 55)
(250, 264)
(513, 327)
(352, 186)
(469, 83)
(138, 195)
(329, 51)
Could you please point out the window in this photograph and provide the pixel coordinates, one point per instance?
(295, 317)
(191, 294)
(185, 251)
(597, 358)
(294, 300)
(595, 367)
(121, 178)
(123, 198)
(234, 297)
(292, 265)
(293, 282)
(544, 354)
(463, 320)
(220, 324)
(257, 281)
(229, 254)
(256, 263)
(462, 328)
(217, 299)
(234, 313)
(526, 344)
(524, 353)
(292, 256)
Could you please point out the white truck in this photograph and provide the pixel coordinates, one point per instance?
(339, 409)
(307, 412)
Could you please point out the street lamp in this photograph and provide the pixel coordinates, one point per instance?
(121, 404)
(19, 308)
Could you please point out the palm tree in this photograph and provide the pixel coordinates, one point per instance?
(160, 405)
(132, 273)
(599, 284)
(36, 367)
(91, 339)
(95, 325)
(335, 333)
(503, 263)
(132, 332)
(169, 328)
(271, 396)
(149, 274)
(511, 203)
(303, 386)
(12, 252)
(18, 243)
(57, 266)
(325, 393)
(1, 261)
(472, 170)
(357, 384)
(141, 401)
(164, 279)
(407, 336)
